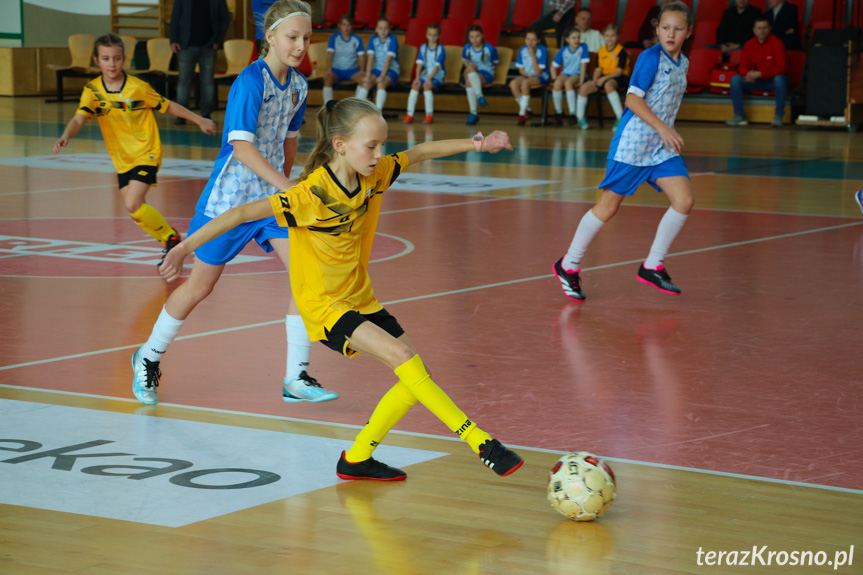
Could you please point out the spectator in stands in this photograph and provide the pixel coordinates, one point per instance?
(784, 20)
(345, 57)
(573, 60)
(197, 29)
(560, 16)
(430, 72)
(479, 59)
(735, 28)
(762, 68)
(382, 64)
(592, 38)
(532, 64)
(647, 33)
(609, 75)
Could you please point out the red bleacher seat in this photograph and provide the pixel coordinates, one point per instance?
(366, 13)
(795, 63)
(490, 29)
(701, 62)
(525, 13)
(398, 12)
(430, 9)
(711, 10)
(637, 10)
(333, 10)
(704, 33)
(494, 9)
(453, 31)
(821, 10)
(629, 31)
(464, 9)
(416, 32)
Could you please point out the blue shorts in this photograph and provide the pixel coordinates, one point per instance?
(344, 75)
(224, 248)
(435, 83)
(623, 178)
(486, 75)
(394, 76)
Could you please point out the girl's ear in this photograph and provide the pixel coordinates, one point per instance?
(338, 144)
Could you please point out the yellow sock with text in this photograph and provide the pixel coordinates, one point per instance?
(390, 409)
(417, 379)
(151, 221)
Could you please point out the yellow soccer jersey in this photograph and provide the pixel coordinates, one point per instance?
(127, 121)
(331, 236)
(611, 60)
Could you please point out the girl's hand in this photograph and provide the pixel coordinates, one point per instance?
(495, 142)
(172, 267)
(208, 127)
(61, 143)
(673, 141)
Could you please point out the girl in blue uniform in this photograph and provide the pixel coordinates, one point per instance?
(262, 121)
(573, 60)
(345, 57)
(431, 69)
(479, 58)
(645, 148)
(382, 64)
(532, 64)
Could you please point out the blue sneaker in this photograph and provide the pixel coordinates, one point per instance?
(146, 379)
(858, 197)
(472, 120)
(582, 123)
(481, 101)
(306, 388)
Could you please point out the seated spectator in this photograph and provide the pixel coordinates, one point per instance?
(762, 68)
(647, 33)
(479, 59)
(592, 38)
(345, 57)
(784, 20)
(609, 75)
(560, 16)
(736, 26)
(430, 72)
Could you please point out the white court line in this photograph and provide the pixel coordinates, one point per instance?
(432, 436)
(446, 293)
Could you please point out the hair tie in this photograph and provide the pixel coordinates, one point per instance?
(331, 104)
(292, 14)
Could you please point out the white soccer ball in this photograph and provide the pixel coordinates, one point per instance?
(581, 486)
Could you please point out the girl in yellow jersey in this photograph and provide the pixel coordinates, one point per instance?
(332, 214)
(610, 75)
(123, 105)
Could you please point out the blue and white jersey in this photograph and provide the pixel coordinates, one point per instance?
(524, 61)
(261, 111)
(428, 57)
(572, 60)
(383, 48)
(661, 82)
(345, 52)
(485, 58)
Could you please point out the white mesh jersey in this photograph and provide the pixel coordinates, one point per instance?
(261, 111)
(345, 52)
(661, 82)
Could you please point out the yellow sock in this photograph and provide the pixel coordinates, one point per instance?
(390, 409)
(151, 221)
(417, 379)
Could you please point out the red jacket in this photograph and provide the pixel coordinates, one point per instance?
(768, 58)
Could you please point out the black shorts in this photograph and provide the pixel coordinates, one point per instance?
(337, 338)
(146, 174)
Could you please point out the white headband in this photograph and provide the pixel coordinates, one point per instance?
(292, 14)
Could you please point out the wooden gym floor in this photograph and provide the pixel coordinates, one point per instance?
(731, 414)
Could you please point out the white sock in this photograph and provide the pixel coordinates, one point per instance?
(299, 347)
(669, 226)
(587, 228)
(380, 98)
(163, 334)
(471, 100)
(614, 100)
(523, 102)
(412, 102)
(328, 93)
(429, 98)
(362, 93)
(580, 107)
(557, 96)
(475, 84)
(570, 101)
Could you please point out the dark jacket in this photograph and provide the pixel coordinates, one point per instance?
(787, 19)
(181, 22)
(737, 26)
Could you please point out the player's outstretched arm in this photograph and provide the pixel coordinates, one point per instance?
(207, 126)
(72, 128)
(493, 143)
(172, 267)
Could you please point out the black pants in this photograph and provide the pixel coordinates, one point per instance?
(560, 26)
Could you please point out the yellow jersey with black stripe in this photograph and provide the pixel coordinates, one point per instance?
(331, 235)
(127, 121)
(610, 60)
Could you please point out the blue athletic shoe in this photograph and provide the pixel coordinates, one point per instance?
(858, 197)
(472, 120)
(481, 101)
(306, 388)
